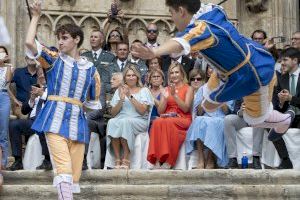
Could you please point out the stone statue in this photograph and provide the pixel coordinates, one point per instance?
(257, 6)
(71, 2)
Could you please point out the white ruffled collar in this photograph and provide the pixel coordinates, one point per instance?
(205, 7)
(82, 63)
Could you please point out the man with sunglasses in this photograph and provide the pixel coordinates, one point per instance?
(152, 34)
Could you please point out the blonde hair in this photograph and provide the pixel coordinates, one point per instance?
(133, 67)
(118, 75)
(172, 66)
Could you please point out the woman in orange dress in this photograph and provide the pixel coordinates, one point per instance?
(168, 132)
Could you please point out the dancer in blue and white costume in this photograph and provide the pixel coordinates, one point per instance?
(72, 82)
(244, 69)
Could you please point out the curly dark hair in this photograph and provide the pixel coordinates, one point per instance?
(192, 6)
(73, 30)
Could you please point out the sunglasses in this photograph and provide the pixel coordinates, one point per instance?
(114, 35)
(155, 77)
(194, 79)
(152, 31)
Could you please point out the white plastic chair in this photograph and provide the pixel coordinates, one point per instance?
(138, 159)
(33, 153)
(94, 152)
(292, 140)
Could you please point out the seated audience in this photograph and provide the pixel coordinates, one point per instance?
(233, 123)
(152, 64)
(20, 127)
(175, 118)
(116, 81)
(186, 62)
(23, 79)
(208, 72)
(131, 105)
(287, 89)
(196, 79)
(156, 79)
(207, 129)
(141, 65)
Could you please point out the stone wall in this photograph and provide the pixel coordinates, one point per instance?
(280, 19)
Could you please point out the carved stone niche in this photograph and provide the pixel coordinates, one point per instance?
(257, 6)
(71, 2)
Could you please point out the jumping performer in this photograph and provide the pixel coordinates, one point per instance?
(243, 68)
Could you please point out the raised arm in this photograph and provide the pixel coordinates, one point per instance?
(35, 9)
(195, 37)
(167, 48)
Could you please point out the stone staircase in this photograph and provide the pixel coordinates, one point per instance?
(163, 184)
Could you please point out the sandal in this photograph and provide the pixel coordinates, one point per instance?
(200, 166)
(117, 164)
(125, 164)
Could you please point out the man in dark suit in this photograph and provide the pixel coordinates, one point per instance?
(288, 87)
(20, 127)
(287, 96)
(122, 57)
(187, 63)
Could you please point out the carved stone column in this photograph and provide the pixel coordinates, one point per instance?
(281, 18)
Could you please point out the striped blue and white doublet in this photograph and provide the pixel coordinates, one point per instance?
(211, 33)
(67, 77)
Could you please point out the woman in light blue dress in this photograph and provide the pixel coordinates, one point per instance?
(131, 105)
(207, 129)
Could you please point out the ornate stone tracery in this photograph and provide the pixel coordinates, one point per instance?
(136, 26)
(280, 18)
(71, 2)
(257, 6)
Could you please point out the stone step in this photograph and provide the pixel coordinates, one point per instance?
(163, 177)
(152, 192)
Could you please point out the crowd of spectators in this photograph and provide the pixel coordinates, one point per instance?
(161, 96)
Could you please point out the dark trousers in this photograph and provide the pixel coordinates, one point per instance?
(296, 122)
(280, 144)
(20, 127)
(96, 124)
